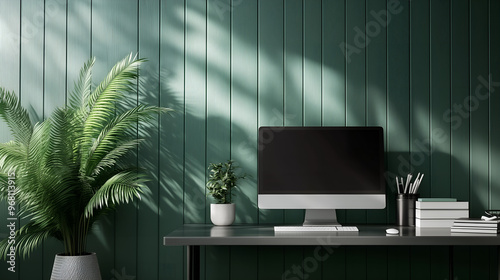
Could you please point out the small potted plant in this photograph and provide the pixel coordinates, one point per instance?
(222, 180)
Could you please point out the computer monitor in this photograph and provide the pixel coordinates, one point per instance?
(321, 169)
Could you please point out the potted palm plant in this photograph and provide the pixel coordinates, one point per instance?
(222, 180)
(69, 169)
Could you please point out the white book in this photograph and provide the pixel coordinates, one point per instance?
(450, 205)
(434, 222)
(441, 213)
(466, 222)
(474, 230)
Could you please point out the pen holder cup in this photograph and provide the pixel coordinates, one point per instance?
(405, 215)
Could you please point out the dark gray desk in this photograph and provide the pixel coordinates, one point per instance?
(195, 235)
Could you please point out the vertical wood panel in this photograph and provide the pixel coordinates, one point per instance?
(244, 105)
(420, 262)
(461, 262)
(309, 34)
(244, 264)
(10, 48)
(459, 121)
(270, 111)
(218, 118)
(494, 89)
(479, 264)
(478, 107)
(398, 136)
(355, 67)
(10, 52)
(294, 64)
(172, 95)
(148, 156)
(356, 77)
(79, 49)
(195, 114)
(55, 56)
(271, 263)
(440, 98)
(334, 57)
(334, 266)
(376, 263)
(10, 28)
(31, 95)
(312, 62)
(440, 262)
(270, 77)
(420, 93)
(376, 77)
(398, 260)
(295, 100)
(333, 38)
(356, 264)
(356, 112)
(494, 110)
(439, 128)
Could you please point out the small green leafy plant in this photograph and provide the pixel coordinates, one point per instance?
(222, 180)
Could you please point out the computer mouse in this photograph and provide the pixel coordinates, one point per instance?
(392, 231)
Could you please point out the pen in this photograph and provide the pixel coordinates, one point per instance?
(397, 185)
(419, 181)
(408, 178)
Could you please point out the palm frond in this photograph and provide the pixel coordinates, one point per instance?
(83, 86)
(16, 117)
(121, 188)
(102, 102)
(12, 156)
(37, 151)
(61, 150)
(111, 158)
(4, 185)
(115, 129)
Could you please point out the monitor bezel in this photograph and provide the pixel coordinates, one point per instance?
(371, 200)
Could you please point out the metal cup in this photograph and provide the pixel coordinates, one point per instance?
(405, 215)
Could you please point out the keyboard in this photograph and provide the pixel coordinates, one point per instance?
(314, 229)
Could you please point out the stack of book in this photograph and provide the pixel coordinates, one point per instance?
(439, 212)
(466, 225)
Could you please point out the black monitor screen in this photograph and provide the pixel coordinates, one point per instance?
(321, 160)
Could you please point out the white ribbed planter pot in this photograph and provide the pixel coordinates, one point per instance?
(222, 214)
(83, 267)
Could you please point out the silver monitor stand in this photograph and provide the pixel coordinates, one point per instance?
(321, 217)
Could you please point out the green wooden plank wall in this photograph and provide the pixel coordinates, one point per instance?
(426, 71)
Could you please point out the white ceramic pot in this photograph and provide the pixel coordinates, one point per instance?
(83, 267)
(222, 214)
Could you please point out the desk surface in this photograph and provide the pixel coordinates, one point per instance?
(207, 234)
